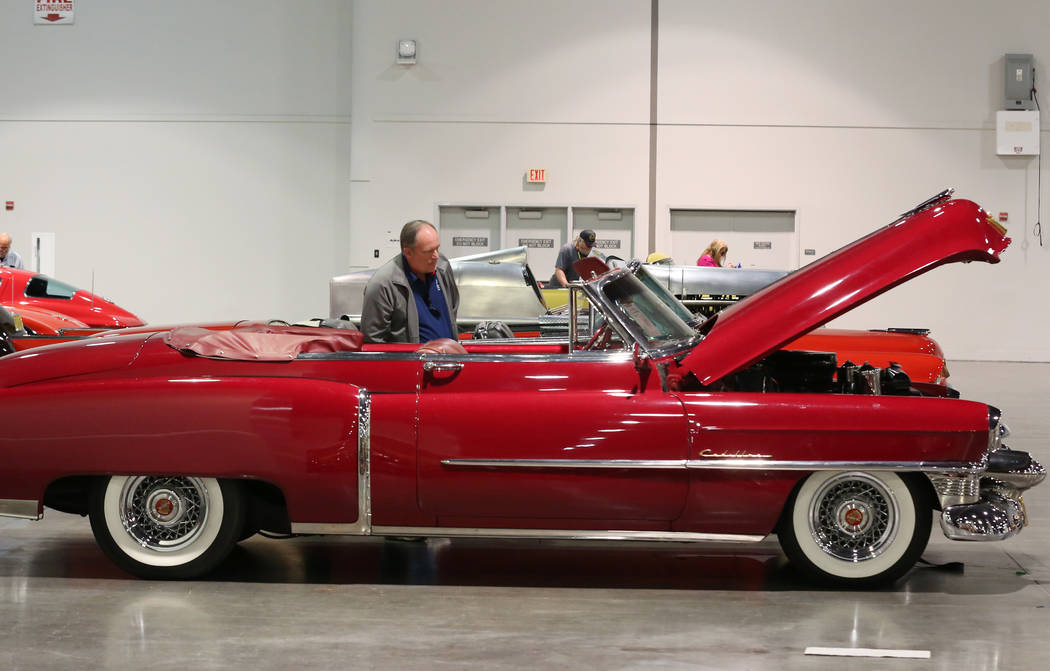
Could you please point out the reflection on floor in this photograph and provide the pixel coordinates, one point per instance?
(322, 602)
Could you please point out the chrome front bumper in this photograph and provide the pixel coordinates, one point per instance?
(1000, 512)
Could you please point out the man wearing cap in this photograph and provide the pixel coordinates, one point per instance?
(581, 248)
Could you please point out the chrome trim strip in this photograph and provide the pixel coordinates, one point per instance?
(568, 463)
(525, 357)
(577, 356)
(782, 465)
(363, 525)
(568, 534)
(22, 508)
(721, 464)
(364, 462)
(928, 203)
(573, 312)
(327, 528)
(354, 356)
(552, 534)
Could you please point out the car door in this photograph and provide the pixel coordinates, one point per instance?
(569, 441)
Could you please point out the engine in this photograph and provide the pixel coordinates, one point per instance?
(818, 372)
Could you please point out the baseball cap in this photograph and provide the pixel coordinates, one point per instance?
(588, 237)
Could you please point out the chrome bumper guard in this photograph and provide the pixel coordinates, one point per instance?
(1000, 512)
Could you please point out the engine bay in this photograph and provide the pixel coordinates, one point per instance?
(818, 372)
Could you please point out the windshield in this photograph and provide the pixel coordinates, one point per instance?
(649, 319)
(665, 295)
(42, 286)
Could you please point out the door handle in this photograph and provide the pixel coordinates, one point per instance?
(442, 366)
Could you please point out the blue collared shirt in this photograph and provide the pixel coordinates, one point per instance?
(434, 320)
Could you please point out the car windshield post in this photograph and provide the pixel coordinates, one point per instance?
(573, 306)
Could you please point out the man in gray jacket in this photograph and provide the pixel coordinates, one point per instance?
(413, 297)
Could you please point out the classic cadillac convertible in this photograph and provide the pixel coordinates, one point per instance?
(178, 444)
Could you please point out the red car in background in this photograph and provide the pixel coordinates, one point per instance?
(44, 322)
(39, 298)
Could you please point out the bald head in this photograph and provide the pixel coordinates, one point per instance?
(5, 245)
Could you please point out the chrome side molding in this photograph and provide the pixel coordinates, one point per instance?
(737, 463)
(28, 509)
(552, 534)
(567, 534)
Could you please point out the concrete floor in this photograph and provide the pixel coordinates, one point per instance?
(335, 603)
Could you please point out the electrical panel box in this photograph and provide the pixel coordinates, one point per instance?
(1017, 93)
(1016, 133)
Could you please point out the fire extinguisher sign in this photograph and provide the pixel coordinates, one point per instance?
(52, 13)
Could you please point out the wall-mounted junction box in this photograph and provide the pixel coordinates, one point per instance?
(1016, 133)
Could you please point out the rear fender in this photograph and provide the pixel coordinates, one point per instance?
(297, 434)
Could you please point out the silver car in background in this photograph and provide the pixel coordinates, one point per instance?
(500, 286)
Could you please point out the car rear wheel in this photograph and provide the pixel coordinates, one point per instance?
(856, 528)
(168, 527)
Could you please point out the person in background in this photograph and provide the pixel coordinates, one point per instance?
(715, 254)
(580, 248)
(413, 297)
(9, 259)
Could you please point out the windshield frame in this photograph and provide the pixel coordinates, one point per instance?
(625, 323)
(693, 319)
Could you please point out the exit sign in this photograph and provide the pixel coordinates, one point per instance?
(536, 175)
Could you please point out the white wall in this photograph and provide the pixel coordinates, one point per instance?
(850, 113)
(498, 88)
(847, 112)
(192, 157)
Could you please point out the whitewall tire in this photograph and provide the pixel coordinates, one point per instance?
(861, 528)
(169, 527)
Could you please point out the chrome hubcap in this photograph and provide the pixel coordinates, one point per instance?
(853, 517)
(165, 513)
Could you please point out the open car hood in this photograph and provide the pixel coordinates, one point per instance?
(936, 232)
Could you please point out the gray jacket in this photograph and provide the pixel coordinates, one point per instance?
(389, 313)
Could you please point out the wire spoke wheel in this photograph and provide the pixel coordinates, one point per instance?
(166, 526)
(854, 517)
(856, 527)
(163, 514)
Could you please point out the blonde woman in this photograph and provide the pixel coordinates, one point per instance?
(715, 254)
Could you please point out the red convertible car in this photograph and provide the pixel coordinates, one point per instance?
(178, 444)
(27, 292)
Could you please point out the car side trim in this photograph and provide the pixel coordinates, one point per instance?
(363, 525)
(22, 508)
(364, 469)
(562, 534)
(569, 534)
(740, 463)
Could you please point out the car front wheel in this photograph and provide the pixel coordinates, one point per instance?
(856, 528)
(166, 527)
